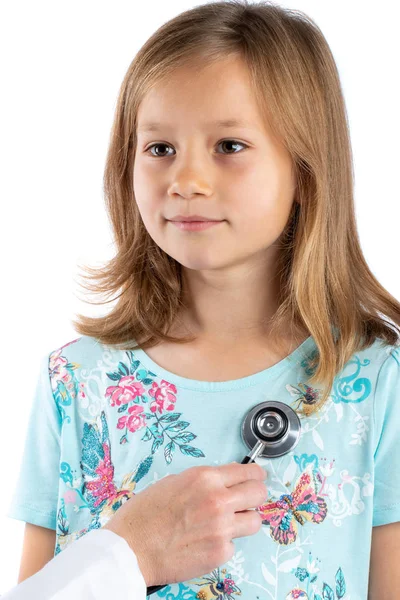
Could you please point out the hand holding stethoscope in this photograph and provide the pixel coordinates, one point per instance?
(270, 429)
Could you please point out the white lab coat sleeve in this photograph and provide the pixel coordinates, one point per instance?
(98, 566)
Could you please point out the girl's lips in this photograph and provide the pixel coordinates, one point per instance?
(195, 225)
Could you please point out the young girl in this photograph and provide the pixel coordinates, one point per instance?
(232, 113)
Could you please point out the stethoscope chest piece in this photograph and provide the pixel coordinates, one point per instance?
(271, 429)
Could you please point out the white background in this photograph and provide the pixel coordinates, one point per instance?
(61, 68)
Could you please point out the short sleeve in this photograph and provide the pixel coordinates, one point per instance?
(36, 493)
(386, 500)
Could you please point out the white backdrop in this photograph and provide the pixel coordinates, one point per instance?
(61, 68)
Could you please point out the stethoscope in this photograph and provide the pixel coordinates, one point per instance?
(270, 429)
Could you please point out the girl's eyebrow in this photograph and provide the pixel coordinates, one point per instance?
(156, 126)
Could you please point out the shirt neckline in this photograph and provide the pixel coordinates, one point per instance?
(300, 353)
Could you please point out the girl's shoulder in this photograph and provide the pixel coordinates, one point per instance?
(82, 350)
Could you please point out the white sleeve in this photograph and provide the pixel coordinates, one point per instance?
(100, 565)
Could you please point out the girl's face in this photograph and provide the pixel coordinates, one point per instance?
(238, 174)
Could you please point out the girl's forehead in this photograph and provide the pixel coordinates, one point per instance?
(217, 87)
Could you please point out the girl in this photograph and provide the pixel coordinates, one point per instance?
(231, 113)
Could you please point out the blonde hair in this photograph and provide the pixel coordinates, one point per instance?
(326, 284)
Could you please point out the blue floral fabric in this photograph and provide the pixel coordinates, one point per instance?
(106, 423)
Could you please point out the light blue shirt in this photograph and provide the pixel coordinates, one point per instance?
(106, 423)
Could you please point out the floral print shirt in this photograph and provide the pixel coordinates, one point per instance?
(105, 423)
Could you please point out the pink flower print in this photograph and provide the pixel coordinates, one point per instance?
(81, 393)
(297, 593)
(135, 421)
(127, 390)
(57, 368)
(67, 380)
(103, 487)
(164, 396)
(229, 585)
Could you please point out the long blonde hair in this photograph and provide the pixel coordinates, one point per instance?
(326, 284)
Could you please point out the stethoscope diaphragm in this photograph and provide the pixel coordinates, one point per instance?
(270, 429)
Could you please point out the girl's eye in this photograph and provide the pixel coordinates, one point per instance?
(235, 143)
